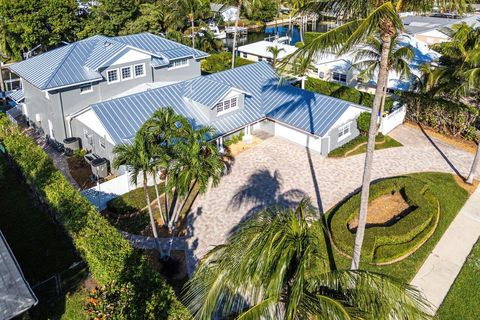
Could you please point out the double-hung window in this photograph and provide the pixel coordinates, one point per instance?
(139, 70)
(126, 73)
(227, 105)
(112, 76)
(178, 63)
(344, 131)
(340, 77)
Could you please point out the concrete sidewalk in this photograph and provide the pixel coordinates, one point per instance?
(442, 266)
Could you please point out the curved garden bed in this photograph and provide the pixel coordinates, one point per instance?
(397, 231)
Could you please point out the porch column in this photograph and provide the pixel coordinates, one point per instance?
(247, 136)
(220, 145)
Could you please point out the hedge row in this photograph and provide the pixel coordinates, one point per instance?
(455, 119)
(111, 258)
(222, 61)
(386, 243)
(342, 92)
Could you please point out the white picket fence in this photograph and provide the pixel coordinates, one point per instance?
(393, 120)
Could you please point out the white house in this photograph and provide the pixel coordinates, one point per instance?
(258, 51)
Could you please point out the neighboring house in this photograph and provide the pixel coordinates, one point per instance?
(341, 69)
(227, 13)
(432, 30)
(257, 51)
(61, 82)
(248, 99)
(16, 296)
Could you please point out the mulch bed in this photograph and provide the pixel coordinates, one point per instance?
(80, 171)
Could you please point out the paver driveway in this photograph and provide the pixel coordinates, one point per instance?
(279, 171)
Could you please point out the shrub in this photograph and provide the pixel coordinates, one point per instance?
(234, 139)
(446, 117)
(111, 258)
(363, 122)
(386, 243)
(132, 201)
(221, 61)
(345, 93)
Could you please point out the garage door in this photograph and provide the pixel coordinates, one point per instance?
(298, 137)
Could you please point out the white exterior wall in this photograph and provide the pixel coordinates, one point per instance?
(298, 137)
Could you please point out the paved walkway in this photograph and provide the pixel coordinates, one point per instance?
(442, 266)
(279, 171)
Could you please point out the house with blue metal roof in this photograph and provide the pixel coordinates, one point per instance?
(250, 99)
(60, 82)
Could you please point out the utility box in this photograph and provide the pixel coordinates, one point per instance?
(72, 143)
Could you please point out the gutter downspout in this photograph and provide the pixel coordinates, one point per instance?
(63, 114)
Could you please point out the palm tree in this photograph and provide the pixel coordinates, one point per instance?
(135, 155)
(163, 128)
(192, 9)
(239, 4)
(367, 59)
(196, 163)
(275, 51)
(209, 43)
(369, 18)
(274, 267)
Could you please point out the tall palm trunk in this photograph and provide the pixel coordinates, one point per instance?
(149, 206)
(192, 22)
(362, 219)
(476, 160)
(382, 105)
(234, 47)
(301, 30)
(159, 204)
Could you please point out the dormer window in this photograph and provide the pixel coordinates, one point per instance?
(139, 70)
(227, 105)
(112, 76)
(178, 63)
(126, 73)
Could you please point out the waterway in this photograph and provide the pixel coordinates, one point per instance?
(282, 30)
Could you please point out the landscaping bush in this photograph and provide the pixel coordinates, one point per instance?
(111, 258)
(446, 117)
(359, 145)
(386, 243)
(363, 122)
(344, 93)
(221, 61)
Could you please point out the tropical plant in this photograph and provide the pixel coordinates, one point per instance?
(196, 162)
(368, 18)
(208, 42)
(275, 51)
(191, 9)
(275, 267)
(137, 158)
(367, 60)
(162, 130)
(239, 4)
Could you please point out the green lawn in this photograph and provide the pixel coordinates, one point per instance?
(352, 148)
(462, 301)
(41, 247)
(451, 198)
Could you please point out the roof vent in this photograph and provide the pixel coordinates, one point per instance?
(107, 44)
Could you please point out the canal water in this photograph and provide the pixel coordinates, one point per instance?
(281, 30)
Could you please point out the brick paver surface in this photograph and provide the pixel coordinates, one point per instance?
(279, 171)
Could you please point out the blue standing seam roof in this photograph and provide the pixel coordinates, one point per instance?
(79, 62)
(305, 110)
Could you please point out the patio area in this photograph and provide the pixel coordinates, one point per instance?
(277, 171)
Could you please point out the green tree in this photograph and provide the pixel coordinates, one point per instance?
(196, 163)
(208, 42)
(275, 51)
(275, 267)
(109, 17)
(379, 18)
(152, 19)
(136, 157)
(367, 60)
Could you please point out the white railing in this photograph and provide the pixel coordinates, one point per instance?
(393, 120)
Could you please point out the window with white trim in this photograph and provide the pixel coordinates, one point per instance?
(112, 76)
(101, 142)
(178, 63)
(227, 105)
(86, 88)
(245, 55)
(321, 74)
(139, 70)
(340, 77)
(344, 131)
(126, 73)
